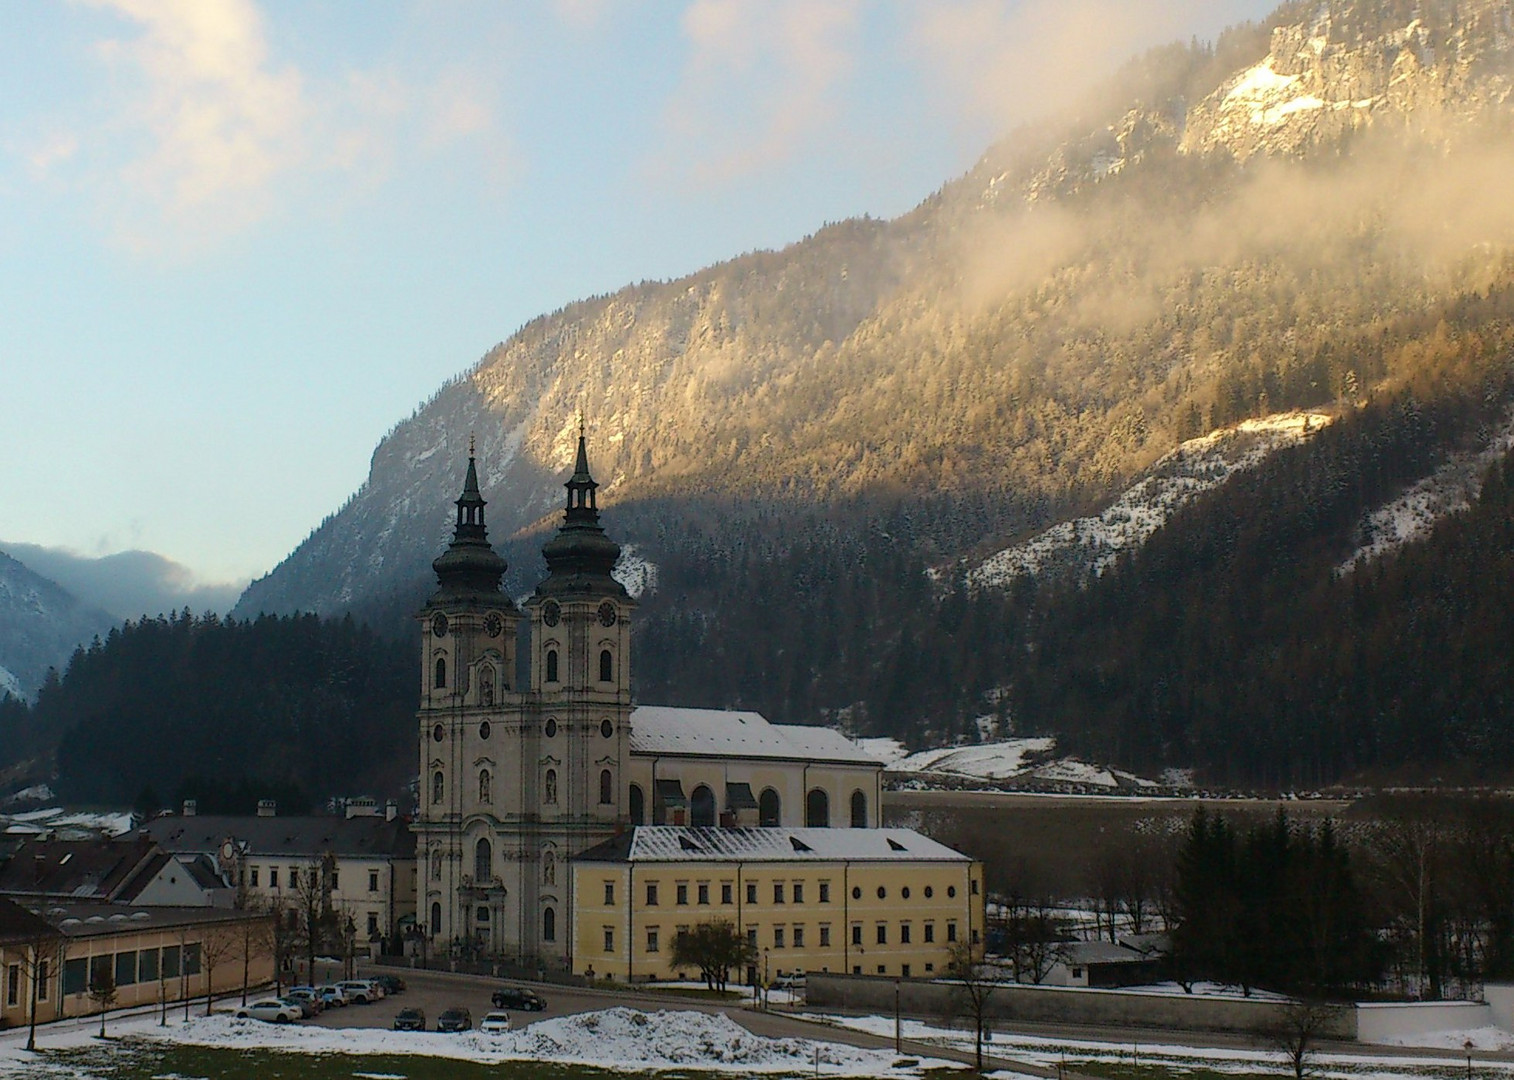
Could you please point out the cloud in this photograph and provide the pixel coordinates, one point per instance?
(761, 77)
(127, 584)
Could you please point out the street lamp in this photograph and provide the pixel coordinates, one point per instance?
(898, 1039)
(764, 977)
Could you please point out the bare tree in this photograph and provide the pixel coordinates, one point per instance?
(219, 944)
(102, 990)
(976, 988)
(37, 962)
(1300, 1025)
(1408, 846)
(312, 906)
(256, 941)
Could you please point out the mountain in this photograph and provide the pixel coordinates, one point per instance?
(813, 446)
(41, 624)
(128, 584)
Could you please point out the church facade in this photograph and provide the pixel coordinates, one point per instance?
(518, 781)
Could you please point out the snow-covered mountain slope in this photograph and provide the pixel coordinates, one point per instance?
(10, 686)
(1031, 762)
(1196, 466)
(41, 624)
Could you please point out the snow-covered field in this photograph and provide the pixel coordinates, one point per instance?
(621, 1039)
(1006, 759)
(1194, 467)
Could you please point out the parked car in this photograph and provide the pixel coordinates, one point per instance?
(392, 984)
(494, 1023)
(272, 1010)
(793, 980)
(307, 1006)
(360, 991)
(331, 996)
(518, 997)
(410, 1020)
(456, 1018)
(308, 994)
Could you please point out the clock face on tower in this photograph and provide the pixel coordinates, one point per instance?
(439, 625)
(493, 624)
(550, 613)
(607, 614)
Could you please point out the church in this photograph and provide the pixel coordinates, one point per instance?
(518, 783)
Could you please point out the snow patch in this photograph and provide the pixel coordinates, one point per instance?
(1259, 82)
(10, 686)
(57, 821)
(1195, 467)
(637, 574)
(885, 750)
(35, 793)
(989, 761)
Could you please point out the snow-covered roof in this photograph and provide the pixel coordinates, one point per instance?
(680, 843)
(666, 729)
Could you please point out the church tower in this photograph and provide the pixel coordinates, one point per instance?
(469, 636)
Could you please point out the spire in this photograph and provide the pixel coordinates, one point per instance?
(469, 565)
(580, 557)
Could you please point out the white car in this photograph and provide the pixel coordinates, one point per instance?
(360, 991)
(495, 1023)
(271, 1010)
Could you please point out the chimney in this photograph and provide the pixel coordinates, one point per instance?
(267, 808)
(189, 808)
(391, 810)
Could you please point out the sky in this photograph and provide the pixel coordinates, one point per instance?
(240, 240)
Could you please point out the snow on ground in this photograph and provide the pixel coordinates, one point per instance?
(986, 761)
(635, 573)
(57, 820)
(10, 686)
(1451, 488)
(885, 750)
(1483, 1038)
(620, 1039)
(1194, 467)
(35, 793)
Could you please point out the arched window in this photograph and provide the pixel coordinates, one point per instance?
(436, 786)
(859, 810)
(606, 787)
(702, 806)
(486, 685)
(548, 925)
(436, 919)
(548, 867)
(638, 805)
(484, 794)
(549, 785)
(483, 860)
(817, 809)
(606, 666)
(551, 665)
(768, 808)
(441, 672)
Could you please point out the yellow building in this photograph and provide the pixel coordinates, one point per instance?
(865, 901)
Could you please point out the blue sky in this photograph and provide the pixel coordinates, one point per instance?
(239, 240)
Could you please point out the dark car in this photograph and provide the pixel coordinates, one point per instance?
(392, 984)
(410, 1020)
(516, 997)
(456, 1018)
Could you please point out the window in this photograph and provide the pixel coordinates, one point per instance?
(859, 810)
(333, 881)
(882, 893)
(482, 914)
(817, 809)
(882, 969)
(777, 937)
(13, 984)
(883, 933)
(768, 808)
(76, 974)
(436, 919)
(273, 877)
(483, 730)
(704, 892)
(725, 893)
(484, 794)
(606, 728)
(609, 940)
(192, 959)
(856, 969)
(904, 892)
(372, 925)
(904, 933)
(551, 665)
(549, 925)
(549, 787)
(929, 968)
(702, 806)
(254, 877)
(825, 937)
(551, 728)
(929, 892)
(798, 937)
(438, 733)
(777, 892)
(930, 932)
(951, 931)
(609, 892)
(751, 892)
(42, 973)
(437, 783)
(798, 892)
(856, 892)
(904, 970)
(751, 936)
(606, 666)
(651, 894)
(483, 861)
(441, 673)
(951, 890)
(652, 939)
(975, 886)
(638, 805)
(373, 881)
(975, 937)
(825, 892)
(683, 893)
(606, 787)
(856, 933)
